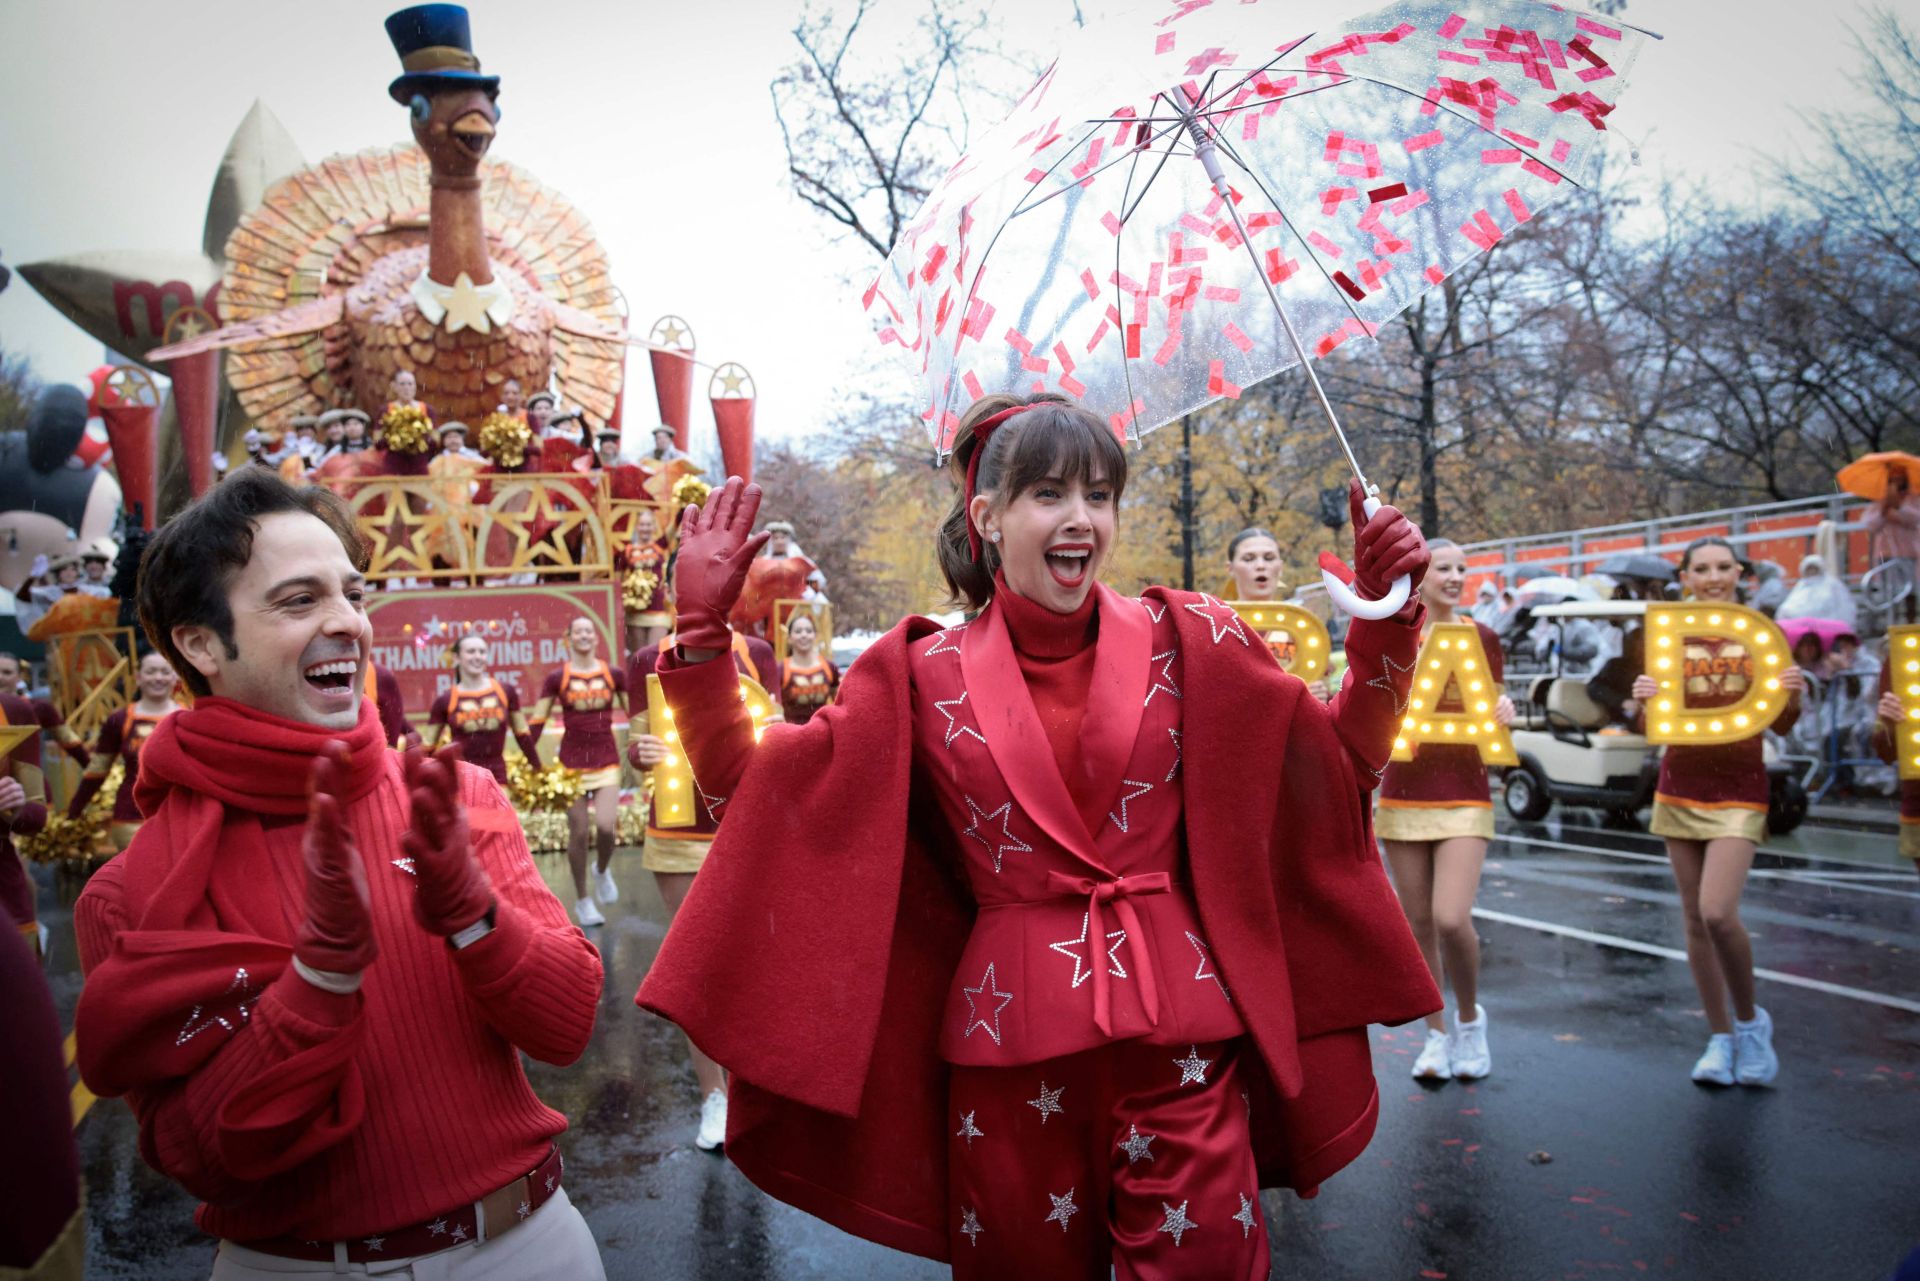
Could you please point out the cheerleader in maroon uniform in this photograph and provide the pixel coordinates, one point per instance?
(808, 677)
(121, 736)
(478, 713)
(1711, 806)
(1254, 564)
(927, 1048)
(585, 692)
(1434, 818)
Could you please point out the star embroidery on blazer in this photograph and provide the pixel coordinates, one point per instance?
(1244, 1218)
(1155, 612)
(954, 728)
(1119, 816)
(1063, 1209)
(968, 1130)
(1203, 971)
(986, 994)
(1011, 844)
(714, 804)
(943, 642)
(1163, 679)
(1193, 1068)
(1178, 1224)
(1048, 1102)
(1082, 969)
(970, 1225)
(1176, 756)
(1385, 681)
(1137, 1145)
(1229, 626)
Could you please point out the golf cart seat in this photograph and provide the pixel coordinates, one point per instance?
(1569, 698)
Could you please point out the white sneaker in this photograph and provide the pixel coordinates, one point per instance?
(713, 1122)
(1468, 1050)
(1432, 1065)
(1754, 1062)
(604, 888)
(1716, 1064)
(586, 913)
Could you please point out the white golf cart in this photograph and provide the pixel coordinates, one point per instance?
(1571, 751)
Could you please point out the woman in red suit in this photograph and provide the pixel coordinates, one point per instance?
(121, 736)
(1711, 806)
(927, 1048)
(1434, 817)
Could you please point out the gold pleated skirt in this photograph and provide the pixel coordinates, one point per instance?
(1402, 822)
(1708, 822)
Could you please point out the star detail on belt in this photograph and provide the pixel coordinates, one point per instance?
(1048, 1102)
(1193, 1068)
(1221, 628)
(525, 1208)
(954, 728)
(968, 1130)
(438, 1228)
(1119, 816)
(986, 994)
(996, 850)
(1385, 681)
(459, 1231)
(1063, 1209)
(375, 1243)
(970, 1225)
(1137, 1145)
(1177, 1224)
(1163, 679)
(1244, 1218)
(1082, 967)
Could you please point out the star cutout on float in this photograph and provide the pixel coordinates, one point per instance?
(954, 728)
(731, 383)
(996, 850)
(1063, 1209)
(968, 1130)
(1176, 756)
(1385, 681)
(1230, 626)
(466, 307)
(191, 326)
(1204, 970)
(1082, 969)
(1193, 1068)
(1119, 817)
(1177, 1224)
(970, 1226)
(670, 334)
(1048, 1102)
(1163, 679)
(1244, 1218)
(1137, 1145)
(986, 994)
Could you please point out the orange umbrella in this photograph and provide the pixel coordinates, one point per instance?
(1867, 476)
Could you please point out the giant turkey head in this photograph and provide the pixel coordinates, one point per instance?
(454, 126)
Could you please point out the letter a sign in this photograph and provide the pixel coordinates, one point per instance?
(1452, 674)
(1691, 644)
(673, 789)
(1903, 678)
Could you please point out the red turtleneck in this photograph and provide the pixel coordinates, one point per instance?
(1055, 652)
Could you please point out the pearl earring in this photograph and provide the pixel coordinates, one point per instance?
(994, 537)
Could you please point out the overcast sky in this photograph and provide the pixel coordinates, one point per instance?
(654, 119)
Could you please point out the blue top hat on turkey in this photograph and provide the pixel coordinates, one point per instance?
(435, 46)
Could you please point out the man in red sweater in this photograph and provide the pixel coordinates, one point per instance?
(313, 972)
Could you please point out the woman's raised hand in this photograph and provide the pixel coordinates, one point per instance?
(716, 547)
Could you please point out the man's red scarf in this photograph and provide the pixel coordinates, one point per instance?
(185, 976)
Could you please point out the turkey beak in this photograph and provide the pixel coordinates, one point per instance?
(474, 132)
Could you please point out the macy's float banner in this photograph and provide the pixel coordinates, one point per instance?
(526, 630)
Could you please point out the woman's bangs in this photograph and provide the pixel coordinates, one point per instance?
(1069, 444)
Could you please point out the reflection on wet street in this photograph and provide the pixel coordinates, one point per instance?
(1588, 1153)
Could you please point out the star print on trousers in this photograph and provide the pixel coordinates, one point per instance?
(1119, 816)
(1220, 627)
(1163, 679)
(986, 994)
(996, 850)
(970, 1225)
(1177, 1224)
(1048, 1102)
(954, 728)
(1204, 970)
(968, 1130)
(1244, 1218)
(1193, 1068)
(1063, 1209)
(1137, 1145)
(1082, 967)
(1385, 681)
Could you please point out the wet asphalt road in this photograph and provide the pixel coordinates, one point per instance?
(1588, 1153)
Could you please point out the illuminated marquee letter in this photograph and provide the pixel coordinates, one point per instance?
(1452, 659)
(1303, 648)
(1903, 658)
(1670, 625)
(672, 778)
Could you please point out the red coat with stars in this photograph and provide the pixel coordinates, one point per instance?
(822, 950)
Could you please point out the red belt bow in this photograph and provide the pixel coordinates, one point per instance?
(1116, 892)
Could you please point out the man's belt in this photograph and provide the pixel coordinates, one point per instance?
(493, 1215)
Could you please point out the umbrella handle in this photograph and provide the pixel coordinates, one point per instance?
(1359, 606)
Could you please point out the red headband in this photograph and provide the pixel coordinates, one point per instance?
(981, 434)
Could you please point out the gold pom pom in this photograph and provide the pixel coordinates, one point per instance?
(503, 439)
(546, 790)
(636, 589)
(75, 840)
(406, 429)
(689, 491)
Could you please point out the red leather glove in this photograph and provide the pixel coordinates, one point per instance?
(451, 889)
(337, 935)
(1385, 546)
(716, 546)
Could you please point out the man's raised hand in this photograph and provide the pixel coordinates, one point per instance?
(451, 889)
(337, 935)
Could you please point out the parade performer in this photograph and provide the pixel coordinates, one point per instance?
(513, 401)
(1887, 747)
(1711, 806)
(939, 1057)
(53, 726)
(1434, 818)
(674, 854)
(383, 687)
(23, 811)
(314, 971)
(808, 677)
(1254, 564)
(121, 737)
(643, 581)
(478, 713)
(585, 691)
(402, 398)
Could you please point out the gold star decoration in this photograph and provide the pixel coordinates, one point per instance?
(466, 307)
(730, 383)
(11, 736)
(670, 334)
